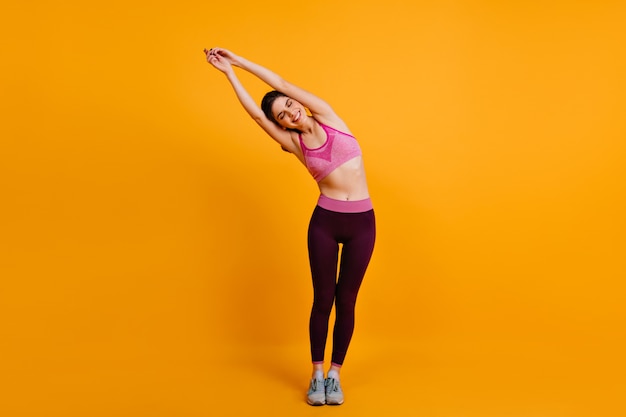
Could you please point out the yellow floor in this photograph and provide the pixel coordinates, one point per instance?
(380, 378)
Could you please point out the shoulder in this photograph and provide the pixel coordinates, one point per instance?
(335, 123)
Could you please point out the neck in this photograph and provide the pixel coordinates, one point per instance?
(309, 126)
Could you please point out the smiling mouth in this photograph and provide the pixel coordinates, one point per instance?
(295, 119)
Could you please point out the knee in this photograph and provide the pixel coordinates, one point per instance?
(323, 304)
(345, 304)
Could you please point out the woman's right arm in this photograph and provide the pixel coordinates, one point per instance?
(319, 108)
(281, 136)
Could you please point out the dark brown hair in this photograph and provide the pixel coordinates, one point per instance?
(266, 104)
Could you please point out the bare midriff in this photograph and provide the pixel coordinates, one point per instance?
(347, 182)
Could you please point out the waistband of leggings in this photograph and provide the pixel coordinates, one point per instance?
(345, 206)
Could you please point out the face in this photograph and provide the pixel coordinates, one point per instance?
(288, 112)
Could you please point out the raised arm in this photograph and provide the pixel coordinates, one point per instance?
(224, 64)
(318, 107)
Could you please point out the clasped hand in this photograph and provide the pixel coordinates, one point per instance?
(220, 58)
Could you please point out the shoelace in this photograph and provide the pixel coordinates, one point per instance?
(314, 385)
(333, 383)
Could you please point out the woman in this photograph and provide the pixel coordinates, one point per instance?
(344, 213)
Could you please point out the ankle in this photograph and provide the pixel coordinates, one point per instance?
(333, 373)
(318, 370)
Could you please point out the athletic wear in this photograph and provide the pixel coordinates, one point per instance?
(334, 394)
(339, 148)
(333, 222)
(344, 206)
(327, 229)
(317, 392)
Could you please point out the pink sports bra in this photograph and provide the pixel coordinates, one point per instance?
(339, 148)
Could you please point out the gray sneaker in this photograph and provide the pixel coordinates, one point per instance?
(334, 395)
(316, 394)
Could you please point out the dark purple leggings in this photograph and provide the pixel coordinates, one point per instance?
(357, 233)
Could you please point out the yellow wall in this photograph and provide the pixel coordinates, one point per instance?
(149, 227)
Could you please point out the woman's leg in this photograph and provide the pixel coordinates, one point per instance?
(355, 256)
(323, 257)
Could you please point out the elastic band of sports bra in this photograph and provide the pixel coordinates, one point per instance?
(345, 206)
